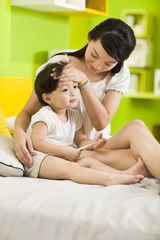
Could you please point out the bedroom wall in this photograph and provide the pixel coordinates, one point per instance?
(26, 36)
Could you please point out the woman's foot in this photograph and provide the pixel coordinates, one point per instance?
(124, 179)
(138, 168)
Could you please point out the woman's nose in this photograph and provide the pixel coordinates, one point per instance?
(97, 65)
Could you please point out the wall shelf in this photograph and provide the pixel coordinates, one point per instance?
(140, 20)
(147, 96)
(65, 7)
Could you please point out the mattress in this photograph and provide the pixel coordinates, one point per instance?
(41, 209)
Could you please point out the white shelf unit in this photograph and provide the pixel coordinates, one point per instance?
(142, 55)
(50, 5)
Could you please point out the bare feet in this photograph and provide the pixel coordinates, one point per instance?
(124, 179)
(138, 168)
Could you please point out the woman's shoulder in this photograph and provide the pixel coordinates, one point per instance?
(54, 59)
(59, 57)
(124, 70)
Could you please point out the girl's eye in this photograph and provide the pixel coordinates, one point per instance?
(76, 86)
(65, 90)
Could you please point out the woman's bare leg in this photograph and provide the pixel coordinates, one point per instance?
(90, 162)
(137, 137)
(57, 168)
(120, 159)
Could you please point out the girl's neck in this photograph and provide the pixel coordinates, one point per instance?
(61, 114)
(63, 117)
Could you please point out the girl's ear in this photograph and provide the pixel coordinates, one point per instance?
(46, 98)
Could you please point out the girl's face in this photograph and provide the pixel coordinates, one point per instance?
(64, 97)
(97, 59)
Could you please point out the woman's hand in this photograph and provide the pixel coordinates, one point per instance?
(71, 154)
(23, 145)
(99, 142)
(71, 73)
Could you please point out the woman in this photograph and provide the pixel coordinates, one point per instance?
(102, 62)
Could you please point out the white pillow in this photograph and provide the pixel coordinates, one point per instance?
(9, 164)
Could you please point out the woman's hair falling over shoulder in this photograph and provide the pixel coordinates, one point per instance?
(44, 83)
(117, 39)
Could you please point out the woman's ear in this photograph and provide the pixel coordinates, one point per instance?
(46, 98)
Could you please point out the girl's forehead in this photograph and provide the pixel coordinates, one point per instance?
(66, 83)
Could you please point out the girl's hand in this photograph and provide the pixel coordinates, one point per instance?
(71, 154)
(99, 142)
(23, 145)
(71, 73)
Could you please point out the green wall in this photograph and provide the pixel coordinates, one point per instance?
(26, 36)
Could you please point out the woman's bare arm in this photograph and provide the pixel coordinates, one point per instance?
(105, 110)
(23, 143)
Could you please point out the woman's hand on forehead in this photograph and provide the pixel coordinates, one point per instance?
(70, 73)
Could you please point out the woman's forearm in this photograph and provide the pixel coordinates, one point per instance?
(100, 113)
(22, 121)
(95, 109)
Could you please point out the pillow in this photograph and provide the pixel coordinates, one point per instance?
(10, 124)
(3, 125)
(9, 164)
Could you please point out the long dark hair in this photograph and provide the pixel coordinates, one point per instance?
(117, 39)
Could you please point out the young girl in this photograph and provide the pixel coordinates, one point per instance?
(55, 128)
(103, 79)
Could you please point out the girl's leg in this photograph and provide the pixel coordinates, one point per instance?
(136, 136)
(57, 168)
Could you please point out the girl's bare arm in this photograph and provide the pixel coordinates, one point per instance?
(38, 138)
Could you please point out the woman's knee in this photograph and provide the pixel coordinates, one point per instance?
(136, 125)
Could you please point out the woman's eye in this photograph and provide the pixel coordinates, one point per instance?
(93, 55)
(76, 86)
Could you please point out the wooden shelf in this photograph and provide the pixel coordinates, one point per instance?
(147, 95)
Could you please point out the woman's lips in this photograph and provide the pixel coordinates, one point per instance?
(93, 69)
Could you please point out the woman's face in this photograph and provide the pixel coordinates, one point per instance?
(97, 59)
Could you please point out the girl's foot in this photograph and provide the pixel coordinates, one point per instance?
(138, 168)
(124, 179)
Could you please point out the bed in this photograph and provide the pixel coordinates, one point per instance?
(41, 209)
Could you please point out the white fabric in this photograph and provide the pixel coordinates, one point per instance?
(58, 132)
(38, 209)
(10, 123)
(119, 82)
(9, 164)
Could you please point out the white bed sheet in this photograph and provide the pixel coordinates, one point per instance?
(40, 209)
